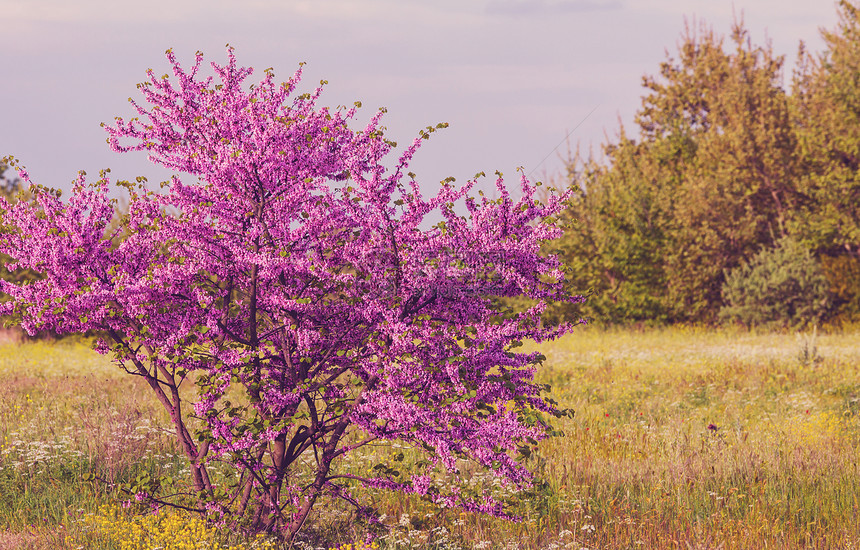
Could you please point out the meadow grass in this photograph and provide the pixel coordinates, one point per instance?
(682, 438)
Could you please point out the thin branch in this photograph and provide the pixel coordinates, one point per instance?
(350, 448)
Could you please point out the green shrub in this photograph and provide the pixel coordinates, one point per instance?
(782, 286)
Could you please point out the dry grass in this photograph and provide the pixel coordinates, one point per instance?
(9, 336)
(696, 438)
(682, 438)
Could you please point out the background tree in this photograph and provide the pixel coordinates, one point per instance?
(708, 182)
(826, 112)
(299, 268)
(619, 221)
(736, 194)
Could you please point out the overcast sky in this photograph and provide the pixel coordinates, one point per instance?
(512, 77)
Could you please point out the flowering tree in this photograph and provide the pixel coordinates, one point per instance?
(301, 270)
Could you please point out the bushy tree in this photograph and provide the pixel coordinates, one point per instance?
(826, 104)
(827, 116)
(739, 190)
(707, 181)
(302, 270)
(782, 286)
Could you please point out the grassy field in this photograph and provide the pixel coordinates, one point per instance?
(682, 438)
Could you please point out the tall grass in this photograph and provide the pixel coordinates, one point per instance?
(682, 438)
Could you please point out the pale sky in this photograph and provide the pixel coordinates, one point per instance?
(511, 77)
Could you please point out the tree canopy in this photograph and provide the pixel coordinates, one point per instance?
(725, 162)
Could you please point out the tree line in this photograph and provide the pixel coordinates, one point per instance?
(735, 198)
